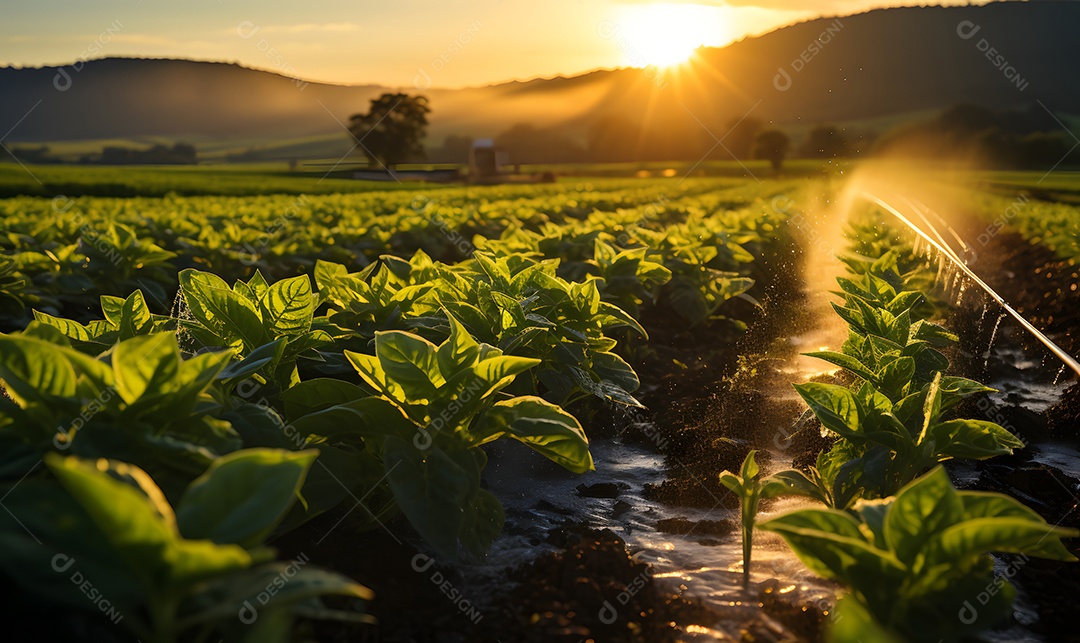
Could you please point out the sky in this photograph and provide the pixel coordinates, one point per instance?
(399, 42)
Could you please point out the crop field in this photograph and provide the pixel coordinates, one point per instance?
(255, 406)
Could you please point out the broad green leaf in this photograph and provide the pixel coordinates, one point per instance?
(411, 361)
(243, 496)
(921, 510)
(227, 314)
(128, 520)
(459, 351)
(319, 394)
(975, 439)
(835, 406)
(288, 306)
(1006, 534)
(70, 328)
(544, 427)
(831, 544)
(431, 489)
(896, 375)
(494, 369)
(481, 523)
(145, 363)
(791, 482)
(135, 317)
(852, 623)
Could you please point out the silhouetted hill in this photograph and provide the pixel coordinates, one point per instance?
(863, 69)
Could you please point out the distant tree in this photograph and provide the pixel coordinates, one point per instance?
(825, 142)
(739, 139)
(772, 145)
(393, 130)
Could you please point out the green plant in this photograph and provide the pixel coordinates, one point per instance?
(251, 315)
(124, 319)
(891, 421)
(436, 406)
(630, 277)
(884, 445)
(139, 402)
(915, 561)
(750, 489)
(519, 305)
(169, 575)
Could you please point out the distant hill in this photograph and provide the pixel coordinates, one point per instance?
(866, 70)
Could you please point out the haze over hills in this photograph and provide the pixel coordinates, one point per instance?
(867, 71)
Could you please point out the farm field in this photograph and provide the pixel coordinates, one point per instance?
(246, 405)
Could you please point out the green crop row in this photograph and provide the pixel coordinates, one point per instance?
(911, 550)
(59, 256)
(1055, 225)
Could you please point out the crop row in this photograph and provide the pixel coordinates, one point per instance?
(1055, 225)
(60, 255)
(910, 549)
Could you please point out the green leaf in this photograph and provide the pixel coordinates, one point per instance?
(975, 439)
(146, 541)
(135, 317)
(225, 313)
(896, 375)
(35, 371)
(921, 510)
(835, 406)
(494, 369)
(145, 363)
(254, 361)
(70, 328)
(852, 622)
(482, 522)
(1007, 534)
(845, 361)
(791, 482)
(319, 394)
(431, 489)
(459, 350)
(243, 496)
(411, 361)
(544, 427)
(288, 307)
(830, 543)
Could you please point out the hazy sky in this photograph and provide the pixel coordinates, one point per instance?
(467, 42)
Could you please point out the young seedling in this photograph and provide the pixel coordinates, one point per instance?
(747, 485)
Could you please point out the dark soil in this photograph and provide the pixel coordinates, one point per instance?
(1043, 288)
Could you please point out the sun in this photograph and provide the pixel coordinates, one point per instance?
(666, 34)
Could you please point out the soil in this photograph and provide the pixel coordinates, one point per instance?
(1043, 288)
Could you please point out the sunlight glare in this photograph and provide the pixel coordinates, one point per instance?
(666, 34)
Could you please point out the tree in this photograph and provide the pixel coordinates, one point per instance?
(772, 145)
(825, 142)
(393, 130)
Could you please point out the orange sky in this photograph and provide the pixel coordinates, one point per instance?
(467, 42)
